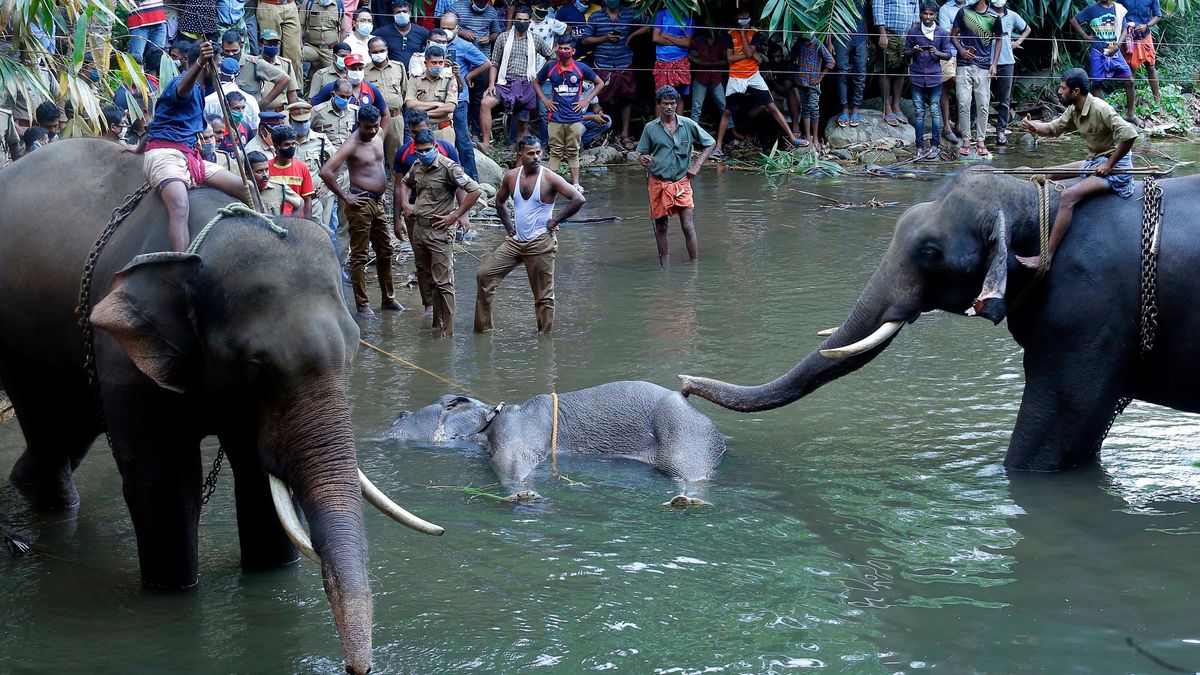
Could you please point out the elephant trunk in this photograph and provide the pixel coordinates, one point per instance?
(314, 451)
(870, 327)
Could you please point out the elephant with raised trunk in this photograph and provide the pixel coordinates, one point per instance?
(248, 339)
(1079, 326)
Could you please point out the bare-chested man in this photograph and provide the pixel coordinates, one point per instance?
(531, 239)
(363, 154)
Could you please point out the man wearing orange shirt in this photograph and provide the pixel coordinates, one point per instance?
(746, 91)
(286, 171)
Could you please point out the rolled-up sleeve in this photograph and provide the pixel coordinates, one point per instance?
(1063, 123)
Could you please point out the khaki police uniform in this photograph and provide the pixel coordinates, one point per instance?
(283, 17)
(275, 195)
(319, 78)
(390, 79)
(441, 90)
(292, 85)
(324, 26)
(433, 248)
(257, 77)
(314, 151)
(256, 144)
(335, 124)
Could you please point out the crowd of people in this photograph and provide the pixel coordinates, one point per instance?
(321, 104)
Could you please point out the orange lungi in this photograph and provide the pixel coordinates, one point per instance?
(669, 197)
(1143, 52)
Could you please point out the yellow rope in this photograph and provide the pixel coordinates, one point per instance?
(430, 373)
(554, 434)
(1042, 184)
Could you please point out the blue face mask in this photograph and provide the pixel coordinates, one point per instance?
(301, 128)
(208, 149)
(435, 71)
(340, 103)
(581, 5)
(270, 51)
(401, 19)
(428, 157)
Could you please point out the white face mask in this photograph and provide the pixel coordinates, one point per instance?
(355, 76)
(365, 28)
(379, 59)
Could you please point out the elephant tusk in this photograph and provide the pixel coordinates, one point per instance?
(827, 332)
(381, 501)
(881, 335)
(282, 498)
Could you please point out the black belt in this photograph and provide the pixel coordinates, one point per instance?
(372, 195)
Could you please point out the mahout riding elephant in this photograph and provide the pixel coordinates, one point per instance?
(1079, 326)
(640, 421)
(248, 339)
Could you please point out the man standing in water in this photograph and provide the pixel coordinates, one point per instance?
(363, 153)
(1108, 139)
(666, 149)
(531, 239)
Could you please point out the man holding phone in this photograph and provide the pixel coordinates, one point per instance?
(610, 33)
(928, 46)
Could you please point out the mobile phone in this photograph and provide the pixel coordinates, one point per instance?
(614, 32)
(451, 54)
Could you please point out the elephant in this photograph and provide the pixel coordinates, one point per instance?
(640, 421)
(1078, 325)
(248, 338)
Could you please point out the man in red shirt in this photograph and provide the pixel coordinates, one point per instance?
(286, 171)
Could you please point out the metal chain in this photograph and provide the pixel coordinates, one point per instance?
(210, 481)
(1152, 207)
(84, 308)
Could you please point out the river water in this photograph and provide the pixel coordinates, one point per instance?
(869, 528)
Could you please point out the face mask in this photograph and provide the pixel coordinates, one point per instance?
(178, 63)
(340, 103)
(364, 29)
(237, 116)
(744, 22)
(208, 149)
(612, 4)
(565, 55)
(477, 9)
(401, 19)
(340, 63)
(999, 4)
(262, 184)
(287, 153)
(435, 71)
(428, 157)
(326, 3)
(521, 26)
(379, 58)
(540, 14)
(355, 76)
(581, 5)
(301, 128)
(94, 76)
(270, 51)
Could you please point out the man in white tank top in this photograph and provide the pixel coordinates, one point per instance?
(531, 234)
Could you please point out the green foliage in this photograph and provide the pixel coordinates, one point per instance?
(1174, 105)
(679, 9)
(782, 162)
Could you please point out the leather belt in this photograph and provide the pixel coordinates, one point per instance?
(443, 124)
(277, 2)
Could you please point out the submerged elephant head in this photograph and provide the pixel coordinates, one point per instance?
(950, 254)
(449, 418)
(254, 333)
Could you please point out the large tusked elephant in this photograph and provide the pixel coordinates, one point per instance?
(249, 339)
(1079, 326)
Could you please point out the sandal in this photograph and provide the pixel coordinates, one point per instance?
(890, 118)
(843, 120)
(964, 150)
(982, 150)
(855, 119)
(802, 143)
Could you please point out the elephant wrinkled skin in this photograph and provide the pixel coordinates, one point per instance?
(1079, 327)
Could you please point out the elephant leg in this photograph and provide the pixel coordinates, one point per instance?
(1070, 394)
(58, 431)
(263, 542)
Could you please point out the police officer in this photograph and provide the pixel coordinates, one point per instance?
(317, 79)
(276, 197)
(435, 92)
(323, 30)
(269, 39)
(435, 178)
(389, 77)
(262, 140)
(336, 117)
(256, 77)
(314, 149)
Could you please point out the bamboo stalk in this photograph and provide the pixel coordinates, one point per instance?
(1138, 171)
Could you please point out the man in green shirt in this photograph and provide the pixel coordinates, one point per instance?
(1108, 138)
(666, 149)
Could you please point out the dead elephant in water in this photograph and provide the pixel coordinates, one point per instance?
(640, 421)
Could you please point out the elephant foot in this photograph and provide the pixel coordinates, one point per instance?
(48, 488)
(685, 502)
(522, 497)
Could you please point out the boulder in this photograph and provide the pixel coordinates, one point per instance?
(489, 170)
(872, 130)
(880, 157)
(606, 154)
(632, 157)
(906, 106)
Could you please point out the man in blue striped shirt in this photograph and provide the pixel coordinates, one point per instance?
(893, 18)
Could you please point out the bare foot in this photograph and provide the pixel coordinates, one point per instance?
(1032, 261)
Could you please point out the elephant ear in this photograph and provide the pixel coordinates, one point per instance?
(990, 303)
(148, 313)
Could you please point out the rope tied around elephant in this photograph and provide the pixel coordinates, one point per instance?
(233, 210)
(554, 432)
(1042, 184)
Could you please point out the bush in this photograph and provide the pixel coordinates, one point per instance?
(1174, 105)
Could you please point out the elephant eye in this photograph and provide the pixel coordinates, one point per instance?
(929, 252)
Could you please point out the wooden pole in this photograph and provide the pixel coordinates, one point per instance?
(239, 152)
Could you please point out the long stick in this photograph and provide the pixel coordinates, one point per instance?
(1139, 171)
(238, 150)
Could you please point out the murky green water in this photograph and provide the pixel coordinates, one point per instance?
(867, 529)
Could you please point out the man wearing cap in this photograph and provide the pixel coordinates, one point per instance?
(322, 24)
(314, 149)
(269, 39)
(435, 92)
(255, 76)
(336, 117)
(262, 142)
(363, 92)
(510, 80)
(227, 76)
(337, 71)
(283, 17)
(467, 63)
(389, 77)
(403, 37)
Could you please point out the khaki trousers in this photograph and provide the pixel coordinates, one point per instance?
(446, 134)
(538, 256)
(369, 228)
(564, 144)
(433, 252)
(392, 140)
(973, 84)
(424, 284)
(318, 57)
(286, 20)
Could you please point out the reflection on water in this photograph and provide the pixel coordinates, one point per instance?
(866, 529)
